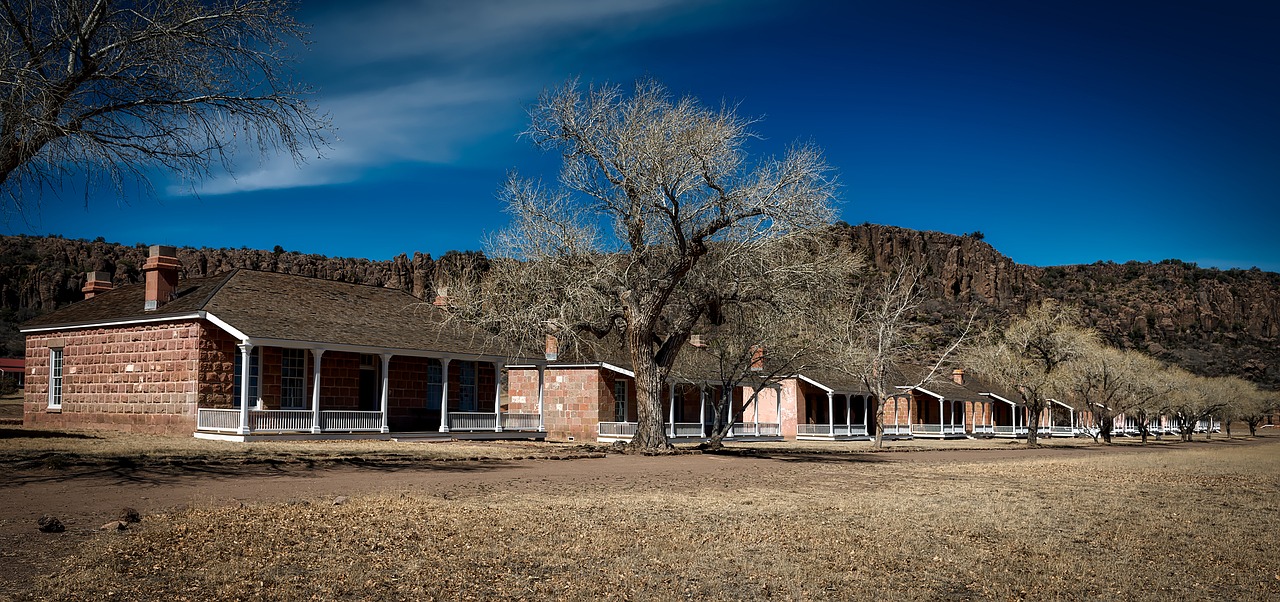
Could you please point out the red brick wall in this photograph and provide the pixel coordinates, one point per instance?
(574, 399)
(135, 378)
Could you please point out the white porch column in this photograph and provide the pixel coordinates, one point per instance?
(315, 391)
(702, 411)
(386, 384)
(444, 395)
(246, 356)
(671, 411)
(542, 379)
(497, 397)
(831, 413)
(942, 415)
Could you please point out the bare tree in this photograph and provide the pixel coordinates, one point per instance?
(1255, 406)
(1098, 383)
(875, 336)
(112, 89)
(1197, 398)
(1032, 356)
(751, 346)
(650, 186)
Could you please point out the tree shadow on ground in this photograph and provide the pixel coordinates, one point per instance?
(117, 471)
(25, 433)
(814, 457)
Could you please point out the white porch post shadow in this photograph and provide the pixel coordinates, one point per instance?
(246, 355)
(831, 416)
(315, 391)
(386, 384)
(444, 395)
(702, 412)
(542, 379)
(497, 397)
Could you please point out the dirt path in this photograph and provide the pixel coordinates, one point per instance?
(84, 498)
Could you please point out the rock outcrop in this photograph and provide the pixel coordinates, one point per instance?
(1210, 321)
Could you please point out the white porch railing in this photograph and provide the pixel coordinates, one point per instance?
(287, 421)
(937, 429)
(770, 429)
(210, 419)
(897, 429)
(279, 420)
(617, 430)
(1001, 429)
(827, 430)
(519, 422)
(472, 421)
(982, 428)
(748, 429)
(350, 420)
(1062, 431)
(686, 430)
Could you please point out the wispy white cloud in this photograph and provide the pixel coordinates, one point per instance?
(422, 82)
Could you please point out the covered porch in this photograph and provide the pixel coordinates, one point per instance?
(1008, 418)
(690, 417)
(280, 390)
(1058, 420)
(936, 417)
(833, 414)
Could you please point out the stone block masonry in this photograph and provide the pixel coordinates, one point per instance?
(142, 378)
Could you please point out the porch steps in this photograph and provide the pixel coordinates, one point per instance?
(422, 437)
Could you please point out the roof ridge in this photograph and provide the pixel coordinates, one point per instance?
(225, 279)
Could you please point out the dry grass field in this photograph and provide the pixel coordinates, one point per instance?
(1075, 522)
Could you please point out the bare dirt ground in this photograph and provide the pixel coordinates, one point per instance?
(85, 496)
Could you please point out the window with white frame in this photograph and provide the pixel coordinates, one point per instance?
(253, 377)
(467, 386)
(619, 400)
(435, 384)
(293, 379)
(55, 378)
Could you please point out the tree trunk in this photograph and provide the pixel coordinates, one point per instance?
(879, 442)
(650, 385)
(723, 407)
(1253, 429)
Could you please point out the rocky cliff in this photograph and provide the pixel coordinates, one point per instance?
(1210, 321)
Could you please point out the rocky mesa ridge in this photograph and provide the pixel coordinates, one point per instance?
(1210, 321)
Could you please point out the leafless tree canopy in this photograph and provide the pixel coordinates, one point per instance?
(1032, 355)
(660, 218)
(112, 88)
(873, 336)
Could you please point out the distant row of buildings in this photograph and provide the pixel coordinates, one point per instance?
(247, 355)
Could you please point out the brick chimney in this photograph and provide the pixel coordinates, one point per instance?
(553, 348)
(957, 376)
(161, 269)
(697, 341)
(757, 358)
(96, 282)
(442, 297)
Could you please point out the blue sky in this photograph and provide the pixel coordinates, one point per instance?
(1067, 132)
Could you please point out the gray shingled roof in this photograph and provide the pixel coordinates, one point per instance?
(267, 305)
